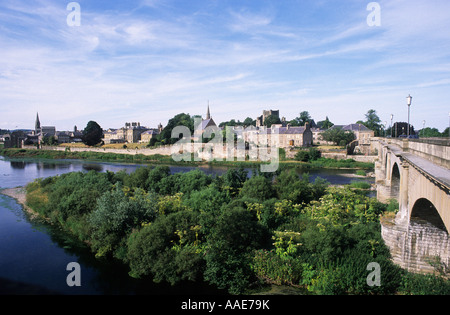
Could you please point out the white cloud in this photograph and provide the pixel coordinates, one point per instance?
(124, 63)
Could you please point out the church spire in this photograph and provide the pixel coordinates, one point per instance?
(37, 125)
(208, 115)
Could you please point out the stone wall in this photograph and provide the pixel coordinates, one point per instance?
(163, 150)
(414, 246)
(434, 151)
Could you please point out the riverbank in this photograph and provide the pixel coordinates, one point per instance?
(20, 195)
(158, 159)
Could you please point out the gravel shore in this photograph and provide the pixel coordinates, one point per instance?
(20, 194)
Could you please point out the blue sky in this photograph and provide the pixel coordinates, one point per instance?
(148, 60)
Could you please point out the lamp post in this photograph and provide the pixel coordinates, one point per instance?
(423, 128)
(392, 117)
(408, 102)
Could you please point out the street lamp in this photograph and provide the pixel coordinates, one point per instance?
(423, 128)
(392, 117)
(408, 102)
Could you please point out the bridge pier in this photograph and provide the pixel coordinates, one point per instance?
(418, 247)
(403, 213)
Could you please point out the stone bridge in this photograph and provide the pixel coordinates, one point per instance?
(416, 173)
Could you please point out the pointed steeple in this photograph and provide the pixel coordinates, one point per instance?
(208, 115)
(37, 125)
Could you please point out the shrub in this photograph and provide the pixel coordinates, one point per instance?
(116, 215)
(257, 187)
(417, 284)
(270, 267)
(230, 247)
(169, 249)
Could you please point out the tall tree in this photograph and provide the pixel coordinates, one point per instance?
(301, 120)
(373, 122)
(179, 120)
(325, 124)
(338, 136)
(92, 134)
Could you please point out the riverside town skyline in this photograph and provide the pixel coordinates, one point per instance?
(148, 60)
(215, 154)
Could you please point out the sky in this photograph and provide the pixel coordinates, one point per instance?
(148, 60)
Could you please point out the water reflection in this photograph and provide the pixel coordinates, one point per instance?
(18, 164)
(93, 167)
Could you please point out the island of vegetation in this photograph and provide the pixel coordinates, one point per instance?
(234, 231)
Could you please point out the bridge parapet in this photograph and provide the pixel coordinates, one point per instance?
(434, 150)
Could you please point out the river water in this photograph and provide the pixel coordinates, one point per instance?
(34, 255)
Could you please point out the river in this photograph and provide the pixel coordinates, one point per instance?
(34, 255)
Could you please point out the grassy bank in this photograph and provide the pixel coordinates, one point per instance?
(166, 160)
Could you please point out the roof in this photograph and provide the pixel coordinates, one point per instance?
(284, 130)
(206, 123)
(291, 130)
(352, 127)
(150, 132)
(356, 127)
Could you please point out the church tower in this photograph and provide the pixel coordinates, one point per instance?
(37, 125)
(208, 114)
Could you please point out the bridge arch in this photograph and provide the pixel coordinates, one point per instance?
(395, 181)
(424, 210)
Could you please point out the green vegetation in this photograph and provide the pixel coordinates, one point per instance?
(232, 231)
(312, 154)
(338, 136)
(88, 155)
(92, 134)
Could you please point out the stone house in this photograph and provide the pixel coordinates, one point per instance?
(286, 136)
(362, 133)
(131, 133)
(148, 135)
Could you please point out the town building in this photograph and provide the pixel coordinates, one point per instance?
(201, 126)
(362, 133)
(150, 134)
(286, 137)
(131, 133)
(317, 137)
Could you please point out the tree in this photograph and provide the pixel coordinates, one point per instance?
(249, 122)
(271, 120)
(168, 249)
(325, 124)
(373, 122)
(301, 120)
(338, 136)
(304, 118)
(431, 133)
(92, 134)
(116, 215)
(257, 187)
(230, 248)
(179, 120)
(306, 156)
